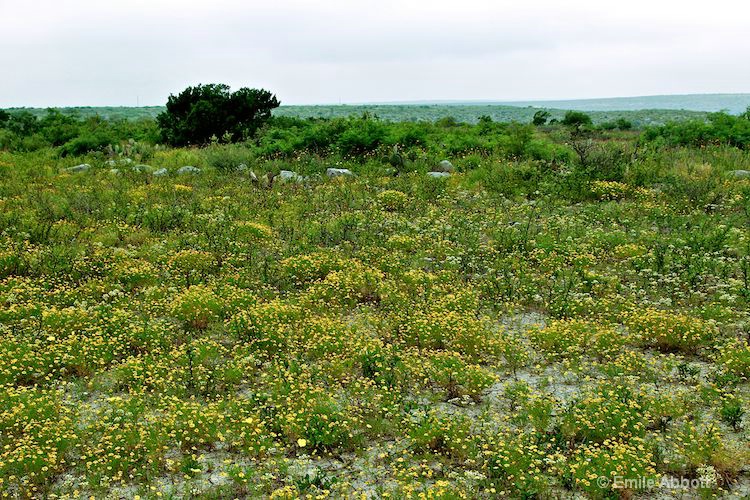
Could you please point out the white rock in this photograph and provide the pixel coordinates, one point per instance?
(142, 168)
(83, 167)
(162, 172)
(121, 161)
(439, 175)
(289, 176)
(188, 169)
(339, 172)
(444, 166)
(739, 174)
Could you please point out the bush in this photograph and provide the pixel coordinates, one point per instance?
(576, 119)
(38, 433)
(302, 270)
(354, 284)
(514, 462)
(452, 330)
(670, 332)
(408, 134)
(265, 327)
(197, 307)
(86, 143)
(628, 461)
(610, 190)
(203, 112)
(734, 361)
(450, 373)
(311, 419)
(572, 339)
(227, 158)
(731, 413)
(605, 413)
(540, 118)
(442, 434)
(191, 265)
(362, 136)
(392, 200)
(721, 128)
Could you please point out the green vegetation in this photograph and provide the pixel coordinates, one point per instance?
(720, 128)
(468, 113)
(576, 119)
(471, 113)
(24, 131)
(553, 305)
(640, 111)
(203, 113)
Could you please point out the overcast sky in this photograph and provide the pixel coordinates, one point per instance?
(128, 52)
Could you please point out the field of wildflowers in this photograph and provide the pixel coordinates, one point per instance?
(516, 329)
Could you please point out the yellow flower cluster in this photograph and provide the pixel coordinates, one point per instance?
(670, 332)
(391, 337)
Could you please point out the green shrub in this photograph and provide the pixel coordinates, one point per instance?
(442, 435)
(86, 144)
(450, 373)
(197, 307)
(227, 158)
(605, 413)
(624, 465)
(572, 339)
(362, 136)
(671, 332)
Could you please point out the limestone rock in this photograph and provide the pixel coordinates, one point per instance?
(83, 167)
(188, 169)
(739, 174)
(445, 167)
(289, 176)
(439, 175)
(339, 172)
(141, 167)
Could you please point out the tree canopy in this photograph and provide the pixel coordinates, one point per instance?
(576, 119)
(199, 113)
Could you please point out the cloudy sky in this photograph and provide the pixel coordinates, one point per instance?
(128, 52)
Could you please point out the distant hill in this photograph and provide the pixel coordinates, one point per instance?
(640, 111)
(732, 103)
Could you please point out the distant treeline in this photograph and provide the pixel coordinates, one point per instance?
(473, 112)
(285, 136)
(468, 113)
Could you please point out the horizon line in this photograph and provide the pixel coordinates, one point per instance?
(425, 101)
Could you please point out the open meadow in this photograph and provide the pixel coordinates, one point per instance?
(480, 311)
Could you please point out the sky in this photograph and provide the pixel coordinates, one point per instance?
(137, 52)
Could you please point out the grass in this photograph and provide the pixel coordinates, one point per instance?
(517, 329)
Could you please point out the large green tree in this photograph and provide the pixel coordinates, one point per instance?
(576, 119)
(199, 113)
